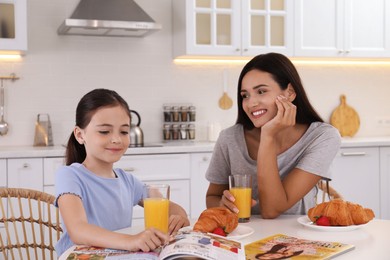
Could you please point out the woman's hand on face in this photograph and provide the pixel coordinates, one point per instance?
(149, 239)
(227, 201)
(176, 222)
(285, 116)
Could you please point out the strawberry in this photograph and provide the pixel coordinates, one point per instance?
(219, 231)
(322, 221)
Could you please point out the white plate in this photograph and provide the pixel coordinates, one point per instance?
(241, 231)
(305, 221)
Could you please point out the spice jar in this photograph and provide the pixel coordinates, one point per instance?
(183, 132)
(184, 113)
(175, 132)
(192, 112)
(167, 114)
(167, 132)
(191, 131)
(175, 114)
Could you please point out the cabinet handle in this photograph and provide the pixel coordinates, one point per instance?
(131, 169)
(205, 159)
(353, 154)
(25, 166)
(245, 49)
(238, 49)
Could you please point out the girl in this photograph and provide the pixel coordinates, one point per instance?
(94, 199)
(278, 138)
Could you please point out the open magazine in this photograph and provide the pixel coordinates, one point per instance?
(294, 248)
(185, 244)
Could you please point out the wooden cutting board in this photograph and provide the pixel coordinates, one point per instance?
(345, 118)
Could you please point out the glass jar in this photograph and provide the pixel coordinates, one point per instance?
(184, 113)
(175, 132)
(167, 132)
(175, 114)
(191, 131)
(183, 132)
(167, 114)
(192, 112)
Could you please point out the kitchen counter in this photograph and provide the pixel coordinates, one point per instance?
(162, 148)
(59, 151)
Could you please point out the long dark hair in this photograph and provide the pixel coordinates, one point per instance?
(86, 108)
(283, 72)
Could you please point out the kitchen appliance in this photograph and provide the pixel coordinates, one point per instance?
(123, 18)
(136, 133)
(43, 133)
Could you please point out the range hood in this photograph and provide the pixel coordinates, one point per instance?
(122, 18)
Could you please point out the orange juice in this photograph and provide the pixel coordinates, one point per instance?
(156, 213)
(242, 201)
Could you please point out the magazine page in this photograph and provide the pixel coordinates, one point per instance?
(294, 248)
(203, 246)
(98, 253)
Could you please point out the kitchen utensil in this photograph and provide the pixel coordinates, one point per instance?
(345, 118)
(225, 102)
(136, 133)
(43, 133)
(3, 124)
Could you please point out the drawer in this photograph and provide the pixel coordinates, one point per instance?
(50, 166)
(156, 167)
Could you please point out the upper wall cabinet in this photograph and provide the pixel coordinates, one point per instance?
(13, 26)
(342, 28)
(231, 27)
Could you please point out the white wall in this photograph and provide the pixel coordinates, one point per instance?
(58, 70)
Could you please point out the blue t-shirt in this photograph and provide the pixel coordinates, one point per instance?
(108, 202)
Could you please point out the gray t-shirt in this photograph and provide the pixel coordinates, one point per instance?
(314, 153)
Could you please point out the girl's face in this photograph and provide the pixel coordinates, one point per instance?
(106, 138)
(259, 92)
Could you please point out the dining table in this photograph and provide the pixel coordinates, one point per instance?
(371, 240)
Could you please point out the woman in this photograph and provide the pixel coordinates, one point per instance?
(278, 137)
(94, 198)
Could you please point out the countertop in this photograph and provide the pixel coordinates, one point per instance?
(59, 151)
(161, 148)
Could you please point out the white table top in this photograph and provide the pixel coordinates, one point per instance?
(371, 240)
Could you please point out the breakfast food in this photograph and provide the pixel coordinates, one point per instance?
(341, 213)
(218, 217)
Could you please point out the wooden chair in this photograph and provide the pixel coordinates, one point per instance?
(328, 193)
(29, 224)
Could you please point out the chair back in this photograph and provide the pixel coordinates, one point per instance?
(29, 224)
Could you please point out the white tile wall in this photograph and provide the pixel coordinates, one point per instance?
(58, 70)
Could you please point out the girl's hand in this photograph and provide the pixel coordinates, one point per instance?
(176, 222)
(285, 116)
(149, 240)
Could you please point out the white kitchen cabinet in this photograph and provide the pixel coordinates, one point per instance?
(199, 185)
(13, 26)
(342, 28)
(172, 169)
(25, 173)
(385, 182)
(50, 167)
(3, 172)
(356, 176)
(232, 28)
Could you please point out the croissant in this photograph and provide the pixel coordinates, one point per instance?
(212, 218)
(341, 213)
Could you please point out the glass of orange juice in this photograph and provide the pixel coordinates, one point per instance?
(156, 206)
(240, 186)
